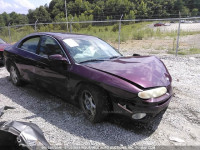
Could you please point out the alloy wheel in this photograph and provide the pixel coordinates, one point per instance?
(13, 74)
(88, 103)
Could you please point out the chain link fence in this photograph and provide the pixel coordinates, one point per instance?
(142, 36)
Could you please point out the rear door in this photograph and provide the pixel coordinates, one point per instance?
(26, 59)
(52, 75)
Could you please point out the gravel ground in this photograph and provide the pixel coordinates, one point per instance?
(174, 27)
(64, 125)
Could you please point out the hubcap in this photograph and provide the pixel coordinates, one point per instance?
(88, 102)
(13, 74)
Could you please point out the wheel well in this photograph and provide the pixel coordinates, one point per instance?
(78, 86)
(8, 64)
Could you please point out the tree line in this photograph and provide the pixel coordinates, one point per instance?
(83, 10)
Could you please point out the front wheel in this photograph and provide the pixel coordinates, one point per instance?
(93, 102)
(14, 75)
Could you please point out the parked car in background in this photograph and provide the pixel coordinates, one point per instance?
(3, 45)
(159, 24)
(187, 21)
(90, 73)
(196, 21)
(183, 21)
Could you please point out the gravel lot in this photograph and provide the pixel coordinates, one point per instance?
(64, 125)
(174, 27)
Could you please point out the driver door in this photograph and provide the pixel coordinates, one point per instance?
(52, 74)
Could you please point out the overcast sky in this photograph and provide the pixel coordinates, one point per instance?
(20, 6)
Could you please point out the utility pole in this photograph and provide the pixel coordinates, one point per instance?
(177, 45)
(71, 24)
(66, 15)
(9, 32)
(119, 31)
(36, 25)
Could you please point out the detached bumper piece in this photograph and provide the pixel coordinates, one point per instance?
(140, 111)
(16, 135)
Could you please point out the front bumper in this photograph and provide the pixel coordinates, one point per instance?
(151, 107)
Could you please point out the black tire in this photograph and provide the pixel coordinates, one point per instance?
(14, 75)
(93, 102)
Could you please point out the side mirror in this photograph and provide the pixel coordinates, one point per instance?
(58, 57)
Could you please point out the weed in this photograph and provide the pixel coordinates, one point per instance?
(186, 52)
(134, 31)
(115, 28)
(194, 51)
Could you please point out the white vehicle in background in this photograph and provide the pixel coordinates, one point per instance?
(186, 21)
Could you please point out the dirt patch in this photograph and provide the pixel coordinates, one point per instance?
(158, 46)
(151, 46)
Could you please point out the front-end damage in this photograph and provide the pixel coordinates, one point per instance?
(139, 87)
(141, 109)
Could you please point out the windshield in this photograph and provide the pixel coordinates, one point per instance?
(86, 49)
(2, 42)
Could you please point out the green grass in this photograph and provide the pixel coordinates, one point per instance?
(109, 33)
(186, 52)
(194, 51)
(136, 31)
(16, 33)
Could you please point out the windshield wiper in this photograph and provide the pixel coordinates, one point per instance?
(91, 60)
(114, 57)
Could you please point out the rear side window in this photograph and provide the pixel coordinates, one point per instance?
(30, 45)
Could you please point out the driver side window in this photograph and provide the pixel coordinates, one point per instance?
(49, 46)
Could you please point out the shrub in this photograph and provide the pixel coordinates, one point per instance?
(138, 35)
(115, 28)
(106, 29)
(89, 27)
(76, 26)
(95, 31)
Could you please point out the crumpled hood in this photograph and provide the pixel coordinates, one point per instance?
(145, 71)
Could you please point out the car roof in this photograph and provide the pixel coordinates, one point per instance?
(60, 35)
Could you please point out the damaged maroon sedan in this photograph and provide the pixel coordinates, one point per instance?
(89, 72)
(3, 45)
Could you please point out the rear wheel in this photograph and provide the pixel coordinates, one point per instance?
(93, 102)
(14, 75)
